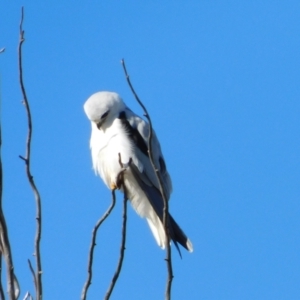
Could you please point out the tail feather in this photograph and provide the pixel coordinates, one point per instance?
(178, 236)
(147, 201)
(176, 233)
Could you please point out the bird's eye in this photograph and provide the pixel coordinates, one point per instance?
(104, 115)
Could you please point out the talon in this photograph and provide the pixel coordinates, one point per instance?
(124, 167)
(120, 178)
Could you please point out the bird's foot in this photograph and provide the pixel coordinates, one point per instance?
(124, 167)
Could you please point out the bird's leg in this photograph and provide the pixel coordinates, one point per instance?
(124, 167)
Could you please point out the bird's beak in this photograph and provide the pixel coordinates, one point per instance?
(99, 124)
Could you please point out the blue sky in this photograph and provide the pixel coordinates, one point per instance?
(221, 82)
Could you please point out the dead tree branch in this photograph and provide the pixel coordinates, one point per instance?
(28, 296)
(2, 296)
(5, 249)
(122, 249)
(12, 283)
(123, 239)
(32, 272)
(93, 244)
(27, 159)
(162, 191)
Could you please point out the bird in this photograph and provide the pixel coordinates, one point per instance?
(118, 134)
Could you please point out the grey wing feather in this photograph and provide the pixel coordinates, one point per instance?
(143, 128)
(155, 198)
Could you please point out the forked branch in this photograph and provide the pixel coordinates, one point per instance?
(94, 235)
(93, 244)
(123, 238)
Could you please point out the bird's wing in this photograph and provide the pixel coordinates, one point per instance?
(146, 196)
(138, 131)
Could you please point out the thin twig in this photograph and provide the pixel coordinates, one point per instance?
(1, 190)
(122, 250)
(93, 244)
(28, 296)
(38, 273)
(162, 191)
(2, 296)
(32, 272)
(123, 240)
(5, 244)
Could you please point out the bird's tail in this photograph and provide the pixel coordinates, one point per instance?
(176, 233)
(148, 202)
(178, 236)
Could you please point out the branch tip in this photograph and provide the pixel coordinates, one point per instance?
(23, 158)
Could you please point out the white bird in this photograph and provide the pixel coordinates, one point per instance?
(117, 130)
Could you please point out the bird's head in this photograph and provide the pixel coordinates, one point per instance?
(103, 107)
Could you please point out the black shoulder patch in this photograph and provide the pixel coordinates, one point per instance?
(133, 134)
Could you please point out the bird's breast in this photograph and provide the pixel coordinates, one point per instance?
(106, 148)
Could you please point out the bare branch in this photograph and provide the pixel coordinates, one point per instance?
(12, 284)
(32, 272)
(123, 239)
(27, 159)
(122, 249)
(93, 244)
(5, 246)
(2, 296)
(28, 296)
(162, 191)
